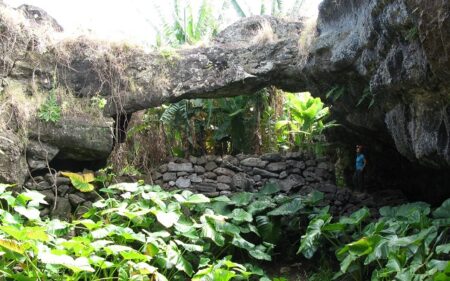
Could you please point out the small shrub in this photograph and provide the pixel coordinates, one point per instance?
(50, 110)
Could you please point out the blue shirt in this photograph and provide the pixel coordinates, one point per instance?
(360, 161)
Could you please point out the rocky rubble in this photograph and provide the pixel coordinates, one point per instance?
(64, 201)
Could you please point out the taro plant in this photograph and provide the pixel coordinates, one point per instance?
(408, 242)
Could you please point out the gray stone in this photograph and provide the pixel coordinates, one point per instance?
(63, 210)
(44, 212)
(195, 179)
(205, 187)
(327, 188)
(76, 200)
(63, 189)
(193, 159)
(257, 177)
(84, 208)
(310, 176)
(49, 196)
(225, 192)
(80, 136)
(291, 182)
(224, 179)
(323, 165)
(296, 164)
(272, 157)
(13, 167)
(295, 171)
(171, 183)
(283, 175)
(276, 167)
(264, 173)
(254, 162)
(240, 181)
(223, 187)
(180, 167)
(169, 177)
(224, 171)
(294, 155)
(311, 163)
(182, 174)
(199, 169)
(39, 154)
(163, 168)
(210, 166)
(322, 174)
(43, 185)
(157, 175)
(230, 159)
(211, 158)
(210, 175)
(201, 160)
(183, 183)
(219, 160)
(212, 194)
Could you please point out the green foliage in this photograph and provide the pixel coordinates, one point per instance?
(303, 122)
(404, 244)
(367, 94)
(82, 182)
(50, 110)
(140, 232)
(335, 93)
(98, 102)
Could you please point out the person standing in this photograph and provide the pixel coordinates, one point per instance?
(360, 164)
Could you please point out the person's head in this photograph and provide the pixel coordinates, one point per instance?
(359, 148)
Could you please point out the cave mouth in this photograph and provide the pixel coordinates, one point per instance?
(59, 164)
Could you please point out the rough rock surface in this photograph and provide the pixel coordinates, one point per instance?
(223, 179)
(13, 167)
(389, 59)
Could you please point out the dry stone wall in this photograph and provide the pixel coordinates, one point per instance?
(222, 175)
(294, 172)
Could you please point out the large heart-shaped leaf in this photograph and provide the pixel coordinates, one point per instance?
(82, 182)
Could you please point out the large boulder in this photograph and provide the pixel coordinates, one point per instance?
(13, 166)
(80, 138)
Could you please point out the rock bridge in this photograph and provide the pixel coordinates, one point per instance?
(389, 58)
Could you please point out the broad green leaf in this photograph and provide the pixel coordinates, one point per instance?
(240, 215)
(197, 199)
(260, 205)
(209, 231)
(30, 213)
(269, 189)
(289, 208)
(268, 228)
(310, 240)
(12, 245)
(167, 219)
(133, 255)
(240, 242)
(77, 265)
(189, 247)
(356, 218)
(443, 249)
(442, 214)
(242, 198)
(82, 182)
(313, 197)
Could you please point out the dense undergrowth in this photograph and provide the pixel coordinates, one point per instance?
(140, 232)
